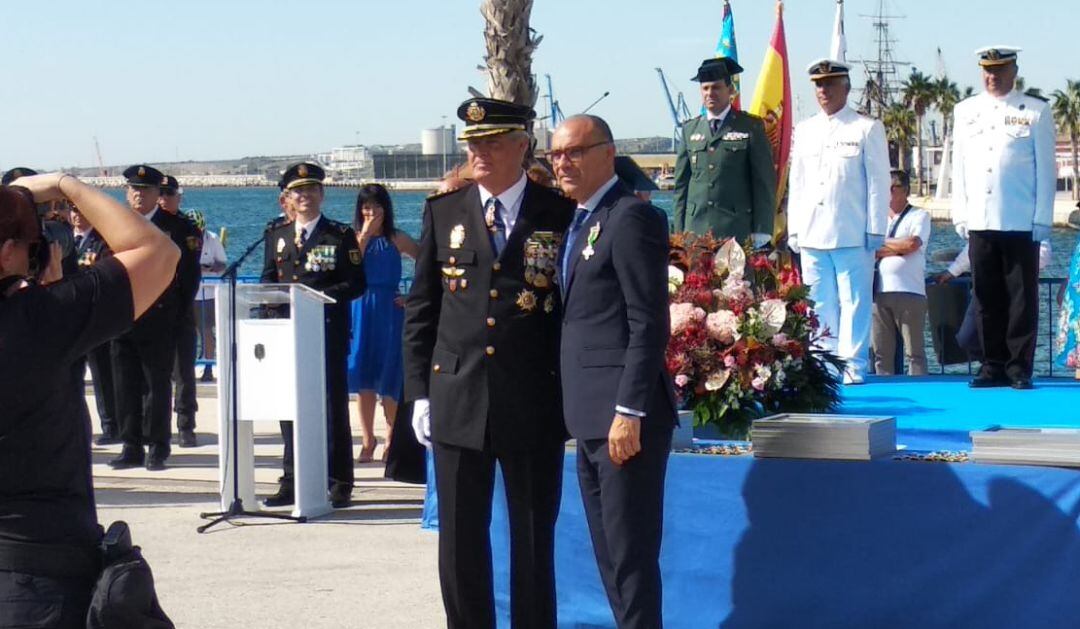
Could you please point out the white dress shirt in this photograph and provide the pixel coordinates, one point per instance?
(709, 117)
(306, 228)
(839, 181)
(509, 200)
(1004, 173)
(962, 263)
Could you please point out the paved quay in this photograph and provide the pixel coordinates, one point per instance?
(369, 566)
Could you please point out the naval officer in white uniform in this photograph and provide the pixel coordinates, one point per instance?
(1004, 179)
(838, 211)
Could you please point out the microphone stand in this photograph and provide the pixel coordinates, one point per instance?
(236, 508)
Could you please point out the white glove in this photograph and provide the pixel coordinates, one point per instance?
(760, 240)
(421, 422)
(793, 243)
(961, 230)
(1040, 233)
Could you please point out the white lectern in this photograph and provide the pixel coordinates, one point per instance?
(280, 377)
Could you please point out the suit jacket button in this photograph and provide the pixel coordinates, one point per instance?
(294, 278)
(436, 368)
(496, 267)
(494, 293)
(489, 350)
(491, 322)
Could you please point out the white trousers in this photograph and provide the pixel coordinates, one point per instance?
(841, 285)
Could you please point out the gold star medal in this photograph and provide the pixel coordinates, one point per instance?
(526, 300)
(594, 233)
(457, 236)
(549, 303)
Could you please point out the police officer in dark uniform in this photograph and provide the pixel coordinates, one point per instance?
(185, 403)
(481, 351)
(321, 254)
(143, 357)
(90, 247)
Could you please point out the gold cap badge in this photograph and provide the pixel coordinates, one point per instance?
(475, 113)
(302, 170)
(142, 171)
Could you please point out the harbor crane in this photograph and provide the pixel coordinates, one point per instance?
(680, 113)
(101, 163)
(556, 116)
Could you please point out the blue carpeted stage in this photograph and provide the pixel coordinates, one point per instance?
(789, 543)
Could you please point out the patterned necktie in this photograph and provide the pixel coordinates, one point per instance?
(301, 236)
(714, 124)
(580, 217)
(496, 226)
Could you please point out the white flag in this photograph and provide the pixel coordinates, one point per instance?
(838, 50)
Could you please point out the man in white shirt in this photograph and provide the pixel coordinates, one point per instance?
(1004, 178)
(900, 287)
(838, 211)
(212, 262)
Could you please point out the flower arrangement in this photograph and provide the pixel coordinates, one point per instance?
(743, 336)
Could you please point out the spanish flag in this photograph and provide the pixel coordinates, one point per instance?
(772, 102)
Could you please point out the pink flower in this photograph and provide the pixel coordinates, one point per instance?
(736, 289)
(723, 326)
(729, 361)
(780, 339)
(683, 315)
(682, 380)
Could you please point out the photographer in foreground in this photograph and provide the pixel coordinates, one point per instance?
(49, 532)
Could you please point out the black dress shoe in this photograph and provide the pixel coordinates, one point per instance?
(187, 439)
(129, 457)
(340, 495)
(983, 381)
(1022, 383)
(155, 464)
(283, 498)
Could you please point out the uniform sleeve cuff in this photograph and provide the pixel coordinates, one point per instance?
(629, 411)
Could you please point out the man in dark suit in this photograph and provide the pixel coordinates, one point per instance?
(617, 396)
(143, 356)
(724, 176)
(481, 356)
(185, 403)
(321, 254)
(89, 248)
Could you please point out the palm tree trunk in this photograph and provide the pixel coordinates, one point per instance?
(1073, 140)
(510, 44)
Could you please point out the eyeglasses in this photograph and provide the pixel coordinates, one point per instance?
(574, 154)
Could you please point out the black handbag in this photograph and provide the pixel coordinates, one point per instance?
(124, 595)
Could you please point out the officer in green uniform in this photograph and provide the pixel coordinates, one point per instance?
(725, 181)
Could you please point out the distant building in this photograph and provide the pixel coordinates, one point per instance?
(413, 165)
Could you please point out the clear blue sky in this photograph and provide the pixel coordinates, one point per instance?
(201, 79)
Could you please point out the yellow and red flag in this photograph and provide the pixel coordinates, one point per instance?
(772, 102)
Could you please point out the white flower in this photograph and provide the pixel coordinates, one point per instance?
(675, 278)
(773, 314)
(682, 380)
(723, 325)
(730, 258)
(717, 380)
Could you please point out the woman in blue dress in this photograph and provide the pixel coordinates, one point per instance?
(375, 348)
(1067, 343)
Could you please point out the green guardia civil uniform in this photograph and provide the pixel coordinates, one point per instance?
(725, 182)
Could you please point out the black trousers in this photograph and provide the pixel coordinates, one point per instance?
(338, 431)
(1005, 279)
(465, 480)
(35, 601)
(183, 374)
(142, 367)
(625, 510)
(101, 372)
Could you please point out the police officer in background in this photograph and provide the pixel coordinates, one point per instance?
(838, 212)
(1004, 179)
(321, 254)
(185, 403)
(481, 351)
(143, 357)
(90, 247)
(725, 182)
(49, 533)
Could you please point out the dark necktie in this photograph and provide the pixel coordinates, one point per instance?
(78, 241)
(496, 226)
(714, 124)
(580, 217)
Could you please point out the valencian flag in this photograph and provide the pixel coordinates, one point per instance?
(726, 47)
(772, 102)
